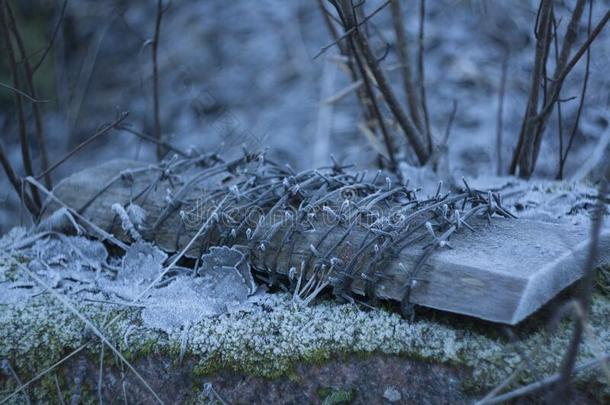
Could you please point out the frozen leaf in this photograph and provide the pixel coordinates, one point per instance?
(225, 259)
(188, 300)
(142, 263)
(70, 253)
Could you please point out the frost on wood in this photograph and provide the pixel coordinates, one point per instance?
(364, 236)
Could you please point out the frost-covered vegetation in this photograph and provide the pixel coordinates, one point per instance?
(270, 334)
(427, 90)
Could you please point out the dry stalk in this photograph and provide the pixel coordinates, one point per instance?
(23, 134)
(29, 76)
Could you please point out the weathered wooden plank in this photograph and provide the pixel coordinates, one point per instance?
(502, 272)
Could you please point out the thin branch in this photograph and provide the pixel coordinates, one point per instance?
(566, 48)
(148, 138)
(27, 96)
(351, 30)
(422, 79)
(500, 116)
(586, 286)
(412, 134)
(374, 106)
(450, 122)
(343, 92)
(405, 63)
(559, 114)
(570, 65)
(364, 99)
(523, 154)
(23, 135)
(558, 79)
(155, 46)
(62, 13)
(102, 131)
(29, 76)
(16, 183)
(564, 157)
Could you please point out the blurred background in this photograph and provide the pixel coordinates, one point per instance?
(236, 74)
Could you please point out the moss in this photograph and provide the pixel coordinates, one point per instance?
(39, 332)
(331, 396)
(603, 280)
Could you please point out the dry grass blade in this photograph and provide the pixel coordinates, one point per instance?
(43, 373)
(70, 307)
(343, 92)
(103, 235)
(542, 384)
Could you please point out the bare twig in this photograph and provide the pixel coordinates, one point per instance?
(564, 157)
(27, 96)
(586, 287)
(16, 183)
(49, 46)
(422, 79)
(450, 122)
(405, 63)
(351, 30)
(29, 76)
(529, 145)
(523, 154)
(102, 234)
(566, 48)
(102, 131)
(500, 116)
(358, 73)
(155, 47)
(375, 108)
(413, 135)
(23, 135)
(343, 92)
(570, 65)
(148, 138)
(559, 114)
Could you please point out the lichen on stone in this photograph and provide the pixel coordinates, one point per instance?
(271, 335)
